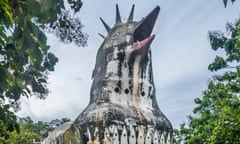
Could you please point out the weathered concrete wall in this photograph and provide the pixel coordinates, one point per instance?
(67, 133)
(123, 108)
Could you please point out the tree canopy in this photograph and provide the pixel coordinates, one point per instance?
(217, 112)
(30, 131)
(25, 60)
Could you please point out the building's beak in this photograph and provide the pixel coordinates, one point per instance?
(142, 34)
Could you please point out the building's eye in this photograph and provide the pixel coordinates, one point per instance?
(129, 34)
(129, 37)
(115, 36)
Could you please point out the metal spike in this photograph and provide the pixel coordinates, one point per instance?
(118, 17)
(130, 18)
(102, 36)
(105, 25)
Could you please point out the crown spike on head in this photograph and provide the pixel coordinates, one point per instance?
(130, 18)
(118, 17)
(105, 25)
(102, 36)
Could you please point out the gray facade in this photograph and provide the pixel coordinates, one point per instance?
(123, 108)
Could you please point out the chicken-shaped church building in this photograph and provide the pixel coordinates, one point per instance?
(123, 108)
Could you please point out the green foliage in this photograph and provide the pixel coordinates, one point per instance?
(64, 120)
(217, 113)
(7, 123)
(69, 29)
(25, 60)
(75, 4)
(28, 130)
(177, 136)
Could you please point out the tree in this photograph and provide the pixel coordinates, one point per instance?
(217, 114)
(25, 60)
(30, 130)
(56, 122)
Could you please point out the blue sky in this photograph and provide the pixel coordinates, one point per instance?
(181, 54)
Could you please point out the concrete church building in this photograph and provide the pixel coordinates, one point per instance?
(123, 108)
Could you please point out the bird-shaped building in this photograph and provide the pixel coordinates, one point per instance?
(123, 108)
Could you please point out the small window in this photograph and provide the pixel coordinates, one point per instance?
(116, 90)
(143, 93)
(126, 91)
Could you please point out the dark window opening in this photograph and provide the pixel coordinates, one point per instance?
(126, 91)
(116, 90)
(130, 82)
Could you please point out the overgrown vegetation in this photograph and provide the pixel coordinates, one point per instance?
(25, 60)
(33, 131)
(217, 112)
